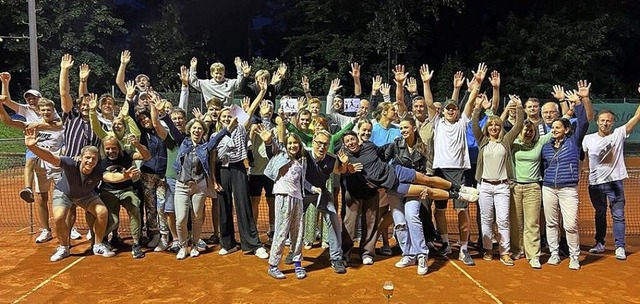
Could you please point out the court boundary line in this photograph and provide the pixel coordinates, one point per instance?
(22, 229)
(484, 289)
(46, 281)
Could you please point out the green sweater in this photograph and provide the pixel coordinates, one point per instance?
(526, 159)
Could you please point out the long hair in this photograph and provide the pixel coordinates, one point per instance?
(106, 139)
(205, 128)
(529, 124)
(418, 143)
(383, 106)
(493, 119)
(301, 152)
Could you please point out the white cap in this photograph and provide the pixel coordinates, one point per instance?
(32, 92)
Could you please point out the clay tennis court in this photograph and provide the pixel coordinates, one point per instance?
(27, 276)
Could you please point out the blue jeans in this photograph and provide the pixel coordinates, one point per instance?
(330, 216)
(614, 193)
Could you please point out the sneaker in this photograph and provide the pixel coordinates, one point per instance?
(367, 260)
(227, 251)
(195, 252)
(465, 257)
(506, 260)
(574, 264)
(163, 244)
(469, 190)
(174, 247)
(300, 273)
(262, 253)
(75, 235)
(386, 250)
(155, 240)
(597, 248)
(61, 253)
(276, 273)
(289, 259)
(535, 263)
(307, 245)
(182, 254)
(201, 245)
(338, 266)
(287, 242)
(554, 259)
(519, 255)
(214, 240)
(406, 261)
(89, 235)
(621, 254)
(468, 197)
(26, 194)
(423, 268)
(45, 236)
(444, 250)
(103, 250)
(488, 255)
(136, 251)
(324, 245)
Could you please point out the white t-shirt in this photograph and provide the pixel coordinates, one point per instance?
(450, 143)
(32, 116)
(606, 156)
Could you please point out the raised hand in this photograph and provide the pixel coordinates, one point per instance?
(30, 137)
(133, 139)
(355, 70)
(472, 84)
(194, 62)
(282, 70)
(516, 100)
(480, 73)
(196, 113)
(232, 124)
(412, 85)
(265, 134)
(130, 86)
(342, 156)
(376, 83)
(84, 71)
(125, 57)
(67, 62)
(583, 88)
(478, 102)
(399, 74)
(425, 73)
(264, 107)
(184, 76)
(276, 78)
(93, 101)
(237, 62)
(459, 79)
(573, 96)
(302, 103)
(131, 172)
(5, 77)
(262, 83)
(305, 84)
(558, 92)
(335, 85)
(494, 79)
(385, 88)
(246, 102)
(246, 68)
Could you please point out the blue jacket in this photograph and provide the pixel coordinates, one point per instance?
(561, 165)
(272, 170)
(202, 151)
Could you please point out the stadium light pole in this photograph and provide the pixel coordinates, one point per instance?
(33, 46)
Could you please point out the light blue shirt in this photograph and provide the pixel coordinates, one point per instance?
(381, 136)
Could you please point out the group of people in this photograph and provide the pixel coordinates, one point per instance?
(388, 163)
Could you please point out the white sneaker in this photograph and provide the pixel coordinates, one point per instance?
(367, 260)
(182, 253)
(227, 251)
(103, 250)
(621, 254)
(574, 264)
(262, 253)
(75, 235)
(554, 259)
(468, 197)
(154, 241)
(194, 252)
(163, 244)
(469, 190)
(61, 253)
(423, 268)
(597, 248)
(45, 236)
(406, 261)
(535, 263)
(89, 235)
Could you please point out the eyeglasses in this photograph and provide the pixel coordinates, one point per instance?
(321, 143)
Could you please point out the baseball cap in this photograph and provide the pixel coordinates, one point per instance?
(450, 102)
(32, 92)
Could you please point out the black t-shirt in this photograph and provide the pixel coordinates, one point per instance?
(374, 170)
(75, 184)
(119, 165)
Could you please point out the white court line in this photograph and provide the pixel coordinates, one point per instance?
(491, 295)
(45, 282)
(23, 229)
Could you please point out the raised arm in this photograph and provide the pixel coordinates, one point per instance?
(355, 73)
(30, 140)
(66, 101)
(400, 77)
(583, 92)
(93, 117)
(475, 119)
(511, 136)
(559, 95)
(582, 125)
(262, 83)
(458, 81)
(468, 107)
(83, 75)
(426, 75)
(142, 152)
(333, 89)
(125, 57)
(494, 79)
(184, 89)
(193, 77)
(6, 119)
(305, 87)
(5, 77)
(633, 120)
